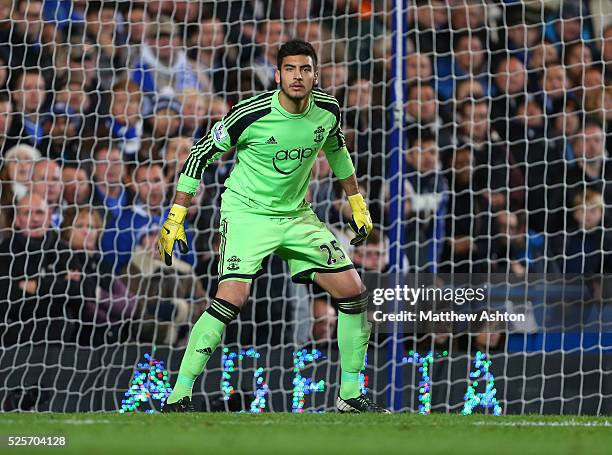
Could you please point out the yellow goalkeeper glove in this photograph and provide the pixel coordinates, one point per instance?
(173, 231)
(361, 223)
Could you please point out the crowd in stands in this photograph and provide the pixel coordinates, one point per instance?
(506, 126)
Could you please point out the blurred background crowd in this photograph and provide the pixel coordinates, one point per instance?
(504, 130)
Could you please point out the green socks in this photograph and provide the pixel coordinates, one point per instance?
(203, 340)
(353, 337)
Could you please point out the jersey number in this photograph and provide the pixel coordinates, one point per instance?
(330, 254)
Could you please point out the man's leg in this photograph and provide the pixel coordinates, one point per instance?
(207, 333)
(349, 296)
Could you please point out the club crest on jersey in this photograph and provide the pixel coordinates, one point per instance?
(318, 134)
(233, 263)
(219, 132)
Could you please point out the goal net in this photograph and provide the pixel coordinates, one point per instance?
(480, 133)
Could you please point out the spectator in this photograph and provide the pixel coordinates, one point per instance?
(163, 67)
(577, 59)
(29, 96)
(554, 90)
(592, 168)
(29, 42)
(106, 300)
(161, 126)
(586, 249)
(418, 68)
(167, 301)
(496, 175)
(77, 185)
(542, 55)
(103, 33)
(429, 31)
(510, 83)
(125, 125)
(136, 21)
(606, 52)
(194, 110)
(208, 55)
(270, 35)
(539, 154)
(39, 280)
(16, 178)
(60, 127)
(571, 24)
(4, 72)
(6, 117)
(47, 183)
(422, 113)
(176, 153)
(468, 61)
(425, 206)
(521, 34)
(466, 248)
(333, 79)
(110, 195)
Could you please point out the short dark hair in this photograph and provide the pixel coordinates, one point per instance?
(295, 47)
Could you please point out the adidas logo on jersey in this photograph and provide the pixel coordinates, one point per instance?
(271, 141)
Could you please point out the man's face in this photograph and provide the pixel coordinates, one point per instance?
(297, 76)
(424, 158)
(47, 181)
(463, 166)
(475, 123)
(607, 46)
(418, 66)
(84, 233)
(211, 34)
(422, 104)
(273, 34)
(588, 216)
(109, 167)
(137, 22)
(510, 76)
(32, 216)
(371, 256)
(555, 83)
(5, 117)
(30, 93)
(591, 146)
(76, 186)
(151, 185)
(31, 13)
(126, 107)
(469, 53)
(164, 46)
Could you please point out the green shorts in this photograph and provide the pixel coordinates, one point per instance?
(303, 241)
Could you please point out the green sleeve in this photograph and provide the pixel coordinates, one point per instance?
(337, 153)
(204, 152)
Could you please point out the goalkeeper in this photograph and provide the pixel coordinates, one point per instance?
(277, 136)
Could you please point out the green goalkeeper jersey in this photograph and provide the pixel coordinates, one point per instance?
(275, 152)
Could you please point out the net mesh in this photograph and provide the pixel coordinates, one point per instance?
(480, 134)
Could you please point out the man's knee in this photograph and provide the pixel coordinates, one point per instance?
(234, 292)
(353, 304)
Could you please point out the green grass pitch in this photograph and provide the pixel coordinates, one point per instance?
(221, 433)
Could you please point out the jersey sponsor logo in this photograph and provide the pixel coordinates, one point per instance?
(297, 155)
(219, 132)
(271, 141)
(318, 134)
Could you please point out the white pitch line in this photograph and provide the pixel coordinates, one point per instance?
(528, 423)
(62, 421)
